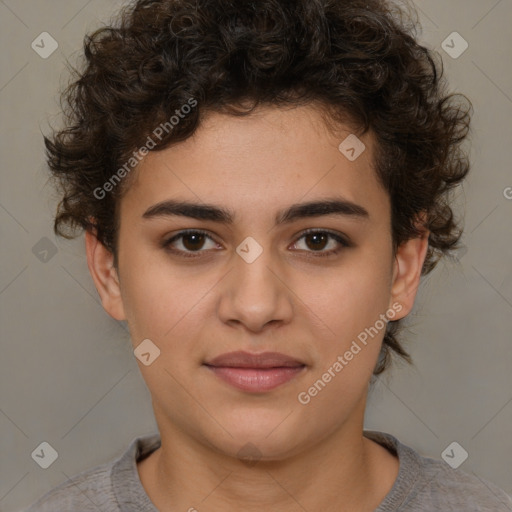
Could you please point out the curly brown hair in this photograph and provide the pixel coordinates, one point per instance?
(358, 60)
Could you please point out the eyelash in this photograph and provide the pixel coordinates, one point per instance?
(194, 254)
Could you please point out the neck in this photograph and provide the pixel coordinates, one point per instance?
(343, 472)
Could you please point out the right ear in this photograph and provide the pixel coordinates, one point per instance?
(101, 266)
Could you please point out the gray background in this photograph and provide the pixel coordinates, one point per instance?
(68, 375)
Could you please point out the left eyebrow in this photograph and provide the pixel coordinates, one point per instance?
(199, 211)
(340, 207)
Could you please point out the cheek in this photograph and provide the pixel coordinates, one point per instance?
(166, 304)
(351, 306)
(150, 298)
(157, 307)
(351, 297)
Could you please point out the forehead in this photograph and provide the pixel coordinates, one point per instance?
(259, 163)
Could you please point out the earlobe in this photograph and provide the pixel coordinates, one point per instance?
(407, 267)
(101, 266)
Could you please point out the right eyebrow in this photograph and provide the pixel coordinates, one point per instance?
(171, 208)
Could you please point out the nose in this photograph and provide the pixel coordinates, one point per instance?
(255, 294)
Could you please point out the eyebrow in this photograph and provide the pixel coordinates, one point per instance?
(201, 211)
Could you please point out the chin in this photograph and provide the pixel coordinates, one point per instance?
(262, 438)
(253, 448)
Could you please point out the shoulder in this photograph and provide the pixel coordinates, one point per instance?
(429, 484)
(87, 491)
(105, 487)
(454, 489)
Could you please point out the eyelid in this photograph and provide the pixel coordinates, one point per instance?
(338, 237)
(335, 234)
(166, 243)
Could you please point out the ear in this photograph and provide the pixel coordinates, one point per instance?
(407, 267)
(101, 266)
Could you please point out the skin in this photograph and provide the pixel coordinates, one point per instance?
(289, 300)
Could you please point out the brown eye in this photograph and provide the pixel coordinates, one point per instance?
(193, 241)
(316, 241)
(186, 243)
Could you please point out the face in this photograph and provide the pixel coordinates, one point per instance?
(285, 248)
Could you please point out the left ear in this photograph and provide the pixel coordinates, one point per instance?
(407, 267)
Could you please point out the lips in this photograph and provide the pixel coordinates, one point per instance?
(247, 360)
(255, 373)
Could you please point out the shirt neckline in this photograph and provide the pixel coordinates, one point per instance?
(409, 471)
(132, 497)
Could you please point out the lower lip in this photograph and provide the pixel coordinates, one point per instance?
(256, 380)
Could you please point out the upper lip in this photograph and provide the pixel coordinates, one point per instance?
(247, 360)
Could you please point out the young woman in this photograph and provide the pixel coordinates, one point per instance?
(262, 185)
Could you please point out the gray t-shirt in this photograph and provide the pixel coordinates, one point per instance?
(423, 484)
